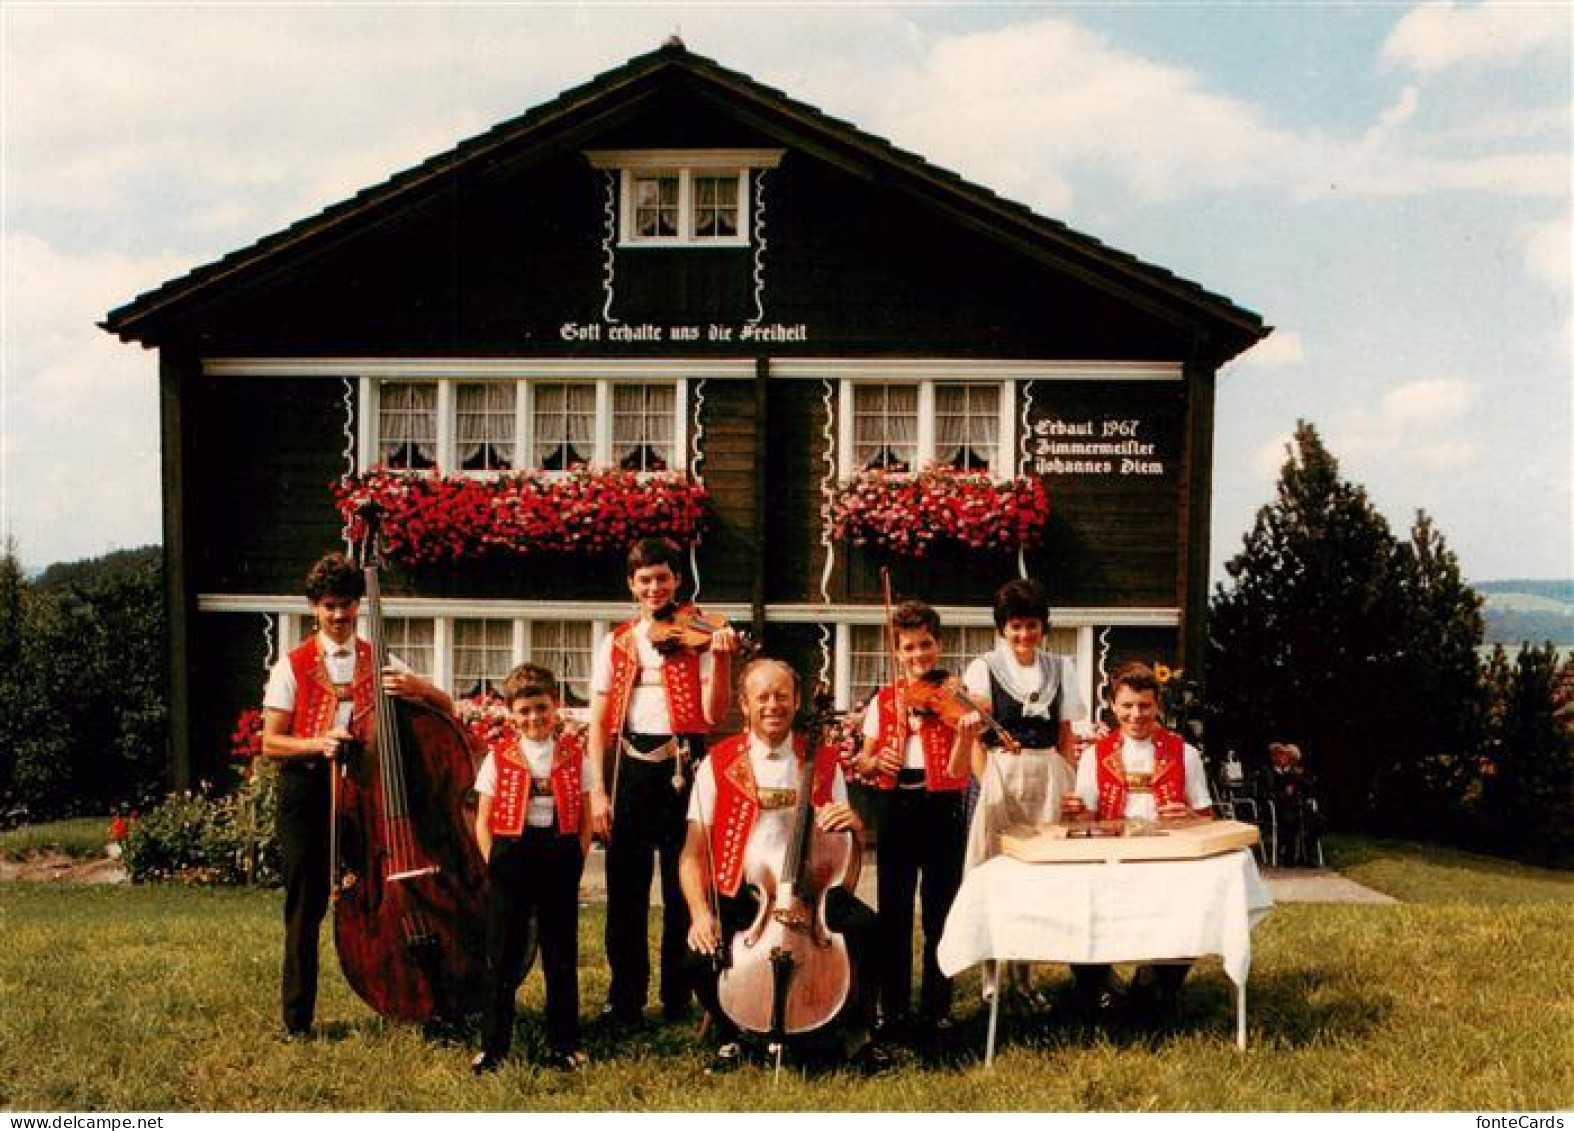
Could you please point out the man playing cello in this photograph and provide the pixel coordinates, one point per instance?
(743, 804)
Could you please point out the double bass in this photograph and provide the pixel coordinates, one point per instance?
(409, 894)
(788, 973)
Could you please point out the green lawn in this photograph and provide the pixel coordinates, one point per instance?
(1459, 998)
(80, 838)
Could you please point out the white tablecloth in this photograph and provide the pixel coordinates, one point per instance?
(1011, 911)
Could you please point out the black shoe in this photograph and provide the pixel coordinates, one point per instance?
(484, 1063)
(616, 1020)
(573, 1060)
(728, 1058)
(872, 1060)
(895, 1028)
(295, 1036)
(672, 1014)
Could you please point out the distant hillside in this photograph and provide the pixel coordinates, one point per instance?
(88, 571)
(1534, 611)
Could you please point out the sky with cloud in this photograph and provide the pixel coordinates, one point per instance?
(1388, 185)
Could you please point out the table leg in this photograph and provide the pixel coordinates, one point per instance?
(993, 971)
(1240, 1016)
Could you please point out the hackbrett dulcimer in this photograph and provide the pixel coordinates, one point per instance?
(1085, 842)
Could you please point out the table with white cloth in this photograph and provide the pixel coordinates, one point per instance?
(1135, 911)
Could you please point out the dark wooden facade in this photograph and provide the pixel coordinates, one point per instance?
(860, 264)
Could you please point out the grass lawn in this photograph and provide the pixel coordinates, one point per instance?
(1459, 998)
(80, 838)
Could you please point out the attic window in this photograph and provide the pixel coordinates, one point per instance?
(684, 198)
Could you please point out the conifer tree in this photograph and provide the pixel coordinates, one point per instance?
(1305, 636)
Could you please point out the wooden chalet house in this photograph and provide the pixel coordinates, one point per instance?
(678, 272)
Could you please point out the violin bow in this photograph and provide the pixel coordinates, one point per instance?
(893, 661)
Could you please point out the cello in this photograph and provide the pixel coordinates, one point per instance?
(409, 894)
(788, 973)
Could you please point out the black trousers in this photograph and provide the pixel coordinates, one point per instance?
(649, 823)
(533, 876)
(922, 837)
(846, 914)
(301, 826)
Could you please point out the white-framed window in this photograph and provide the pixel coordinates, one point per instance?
(407, 425)
(484, 427)
(565, 647)
(473, 655)
(486, 420)
(902, 426)
(684, 197)
(483, 652)
(684, 206)
(413, 640)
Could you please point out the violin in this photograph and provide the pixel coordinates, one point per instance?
(677, 629)
(941, 694)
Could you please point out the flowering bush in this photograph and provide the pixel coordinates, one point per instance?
(485, 716)
(433, 518)
(193, 837)
(246, 739)
(906, 514)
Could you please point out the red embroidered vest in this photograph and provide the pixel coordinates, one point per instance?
(1169, 772)
(937, 738)
(738, 803)
(316, 697)
(514, 784)
(680, 676)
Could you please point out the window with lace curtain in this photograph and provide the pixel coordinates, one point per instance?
(642, 417)
(483, 654)
(407, 425)
(527, 425)
(484, 426)
(885, 427)
(565, 426)
(906, 426)
(967, 426)
(413, 640)
(868, 668)
(564, 647)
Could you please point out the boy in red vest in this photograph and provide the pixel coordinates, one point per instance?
(533, 826)
(650, 712)
(1139, 772)
(921, 765)
(743, 807)
(312, 695)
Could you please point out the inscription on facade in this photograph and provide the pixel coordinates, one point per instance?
(624, 333)
(1104, 447)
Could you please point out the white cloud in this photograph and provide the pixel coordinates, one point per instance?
(1428, 403)
(1280, 348)
(1549, 253)
(1437, 37)
(76, 402)
(1271, 457)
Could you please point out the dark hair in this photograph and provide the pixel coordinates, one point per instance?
(1135, 675)
(1021, 597)
(334, 575)
(527, 681)
(913, 616)
(648, 552)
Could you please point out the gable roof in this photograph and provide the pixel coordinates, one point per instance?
(1227, 329)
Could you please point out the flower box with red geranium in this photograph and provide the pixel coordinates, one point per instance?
(428, 519)
(907, 514)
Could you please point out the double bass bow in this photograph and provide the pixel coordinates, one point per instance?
(409, 892)
(788, 972)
